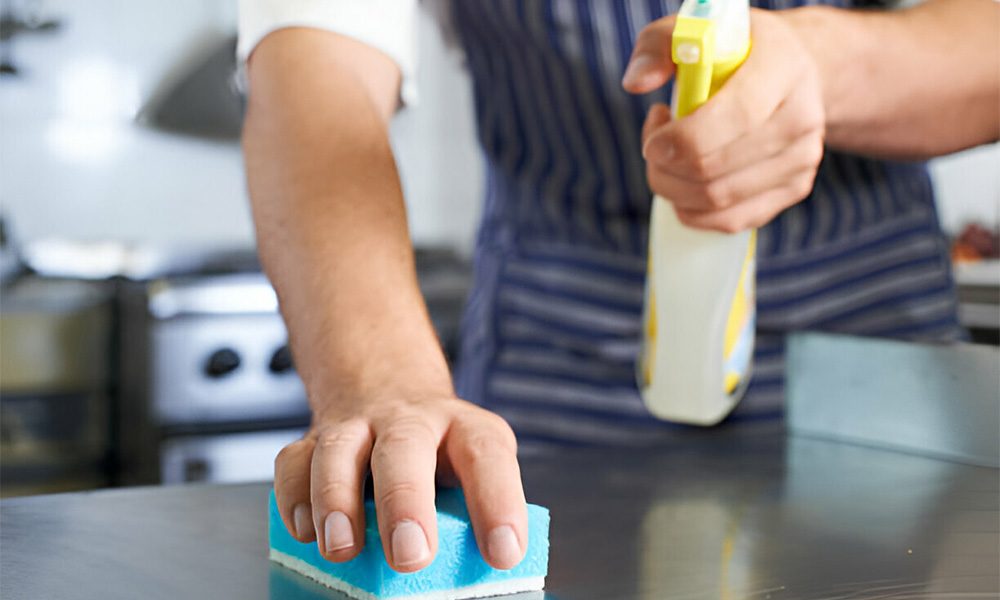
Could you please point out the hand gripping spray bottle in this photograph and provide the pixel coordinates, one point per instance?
(698, 321)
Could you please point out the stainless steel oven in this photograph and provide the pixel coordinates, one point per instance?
(204, 359)
(208, 385)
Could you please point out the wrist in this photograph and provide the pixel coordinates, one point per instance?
(353, 398)
(836, 41)
(377, 372)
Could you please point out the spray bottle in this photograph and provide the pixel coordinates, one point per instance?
(698, 320)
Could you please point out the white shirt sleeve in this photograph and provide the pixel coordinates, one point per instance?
(387, 25)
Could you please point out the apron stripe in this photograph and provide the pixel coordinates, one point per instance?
(551, 331)
(579, 202)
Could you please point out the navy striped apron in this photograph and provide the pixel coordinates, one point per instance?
(551, 330)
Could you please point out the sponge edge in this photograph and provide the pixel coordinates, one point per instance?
(480, 590)
(458, 571)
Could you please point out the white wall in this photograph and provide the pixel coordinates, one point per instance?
(73, 163)
(968, 187)
(436, 151)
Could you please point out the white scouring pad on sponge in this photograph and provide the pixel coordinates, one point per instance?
(458, 571)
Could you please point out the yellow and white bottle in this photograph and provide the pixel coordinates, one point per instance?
(699, 316)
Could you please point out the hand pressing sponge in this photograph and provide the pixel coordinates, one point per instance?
(458, 570)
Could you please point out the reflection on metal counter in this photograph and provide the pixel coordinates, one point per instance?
(737, 512)
(763, 517)
(844, 522)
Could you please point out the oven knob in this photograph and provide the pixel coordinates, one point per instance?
(222, 362)
(281, 361)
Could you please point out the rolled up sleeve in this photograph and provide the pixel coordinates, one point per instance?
(386, 25)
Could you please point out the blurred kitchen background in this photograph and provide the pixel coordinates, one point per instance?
(139, 342)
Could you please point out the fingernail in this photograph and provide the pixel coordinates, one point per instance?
(302, 517)
(409, 544)
(636, 70)
(338, 532)
(502, 545)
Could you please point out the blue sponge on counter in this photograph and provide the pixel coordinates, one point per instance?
(458, 570)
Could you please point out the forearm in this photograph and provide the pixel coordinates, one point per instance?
(331, 224)
(914, 83)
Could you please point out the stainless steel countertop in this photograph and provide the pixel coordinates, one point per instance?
(715, 514)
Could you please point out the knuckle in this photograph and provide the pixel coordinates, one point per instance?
(398, 494)
(405, 430)
(685, 143)
(484, 438)
(656, 181)
(478, 447)
(333, 490)
(402, 433)
(344, 436)
(282, 457)
(483, 446)
(504, 433)
(803, 187)
(815, 154)
(703, 166)
(291, 486)
(806, 120)
(658, 150)
(685, 218)
(292, 451)
(382, 450)
(757, 222)
(744, 115)
(729, 225)
(719, 194)
(816, 117)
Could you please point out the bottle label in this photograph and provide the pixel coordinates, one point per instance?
(737, 352)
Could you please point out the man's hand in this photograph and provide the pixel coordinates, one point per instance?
(319, 480)
(331, 228)
(753, 149)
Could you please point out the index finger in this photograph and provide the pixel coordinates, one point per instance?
(743, 104)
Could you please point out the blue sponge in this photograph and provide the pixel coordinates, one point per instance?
(458, 570)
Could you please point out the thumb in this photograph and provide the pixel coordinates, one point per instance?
(651, 64)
